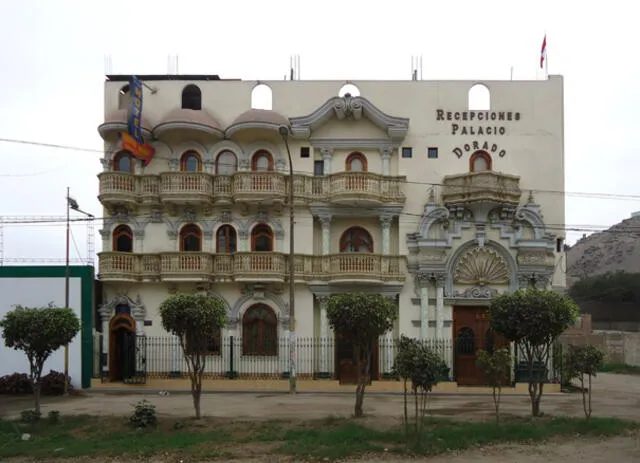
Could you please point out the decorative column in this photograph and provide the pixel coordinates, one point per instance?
(174, 164)
(243, 244)
(388, 347)
(524, 280)
(138, 234)
(439, 280)
(385, 221)
(105, 314)
(327, 155)
(385, 154)
(324, 338)
(325, 221)
(423, 281)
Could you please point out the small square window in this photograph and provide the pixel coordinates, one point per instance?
(407, 152)
(304, 152)
(432, 153)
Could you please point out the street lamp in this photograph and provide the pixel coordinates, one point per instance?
(284, 133)
(71, 204)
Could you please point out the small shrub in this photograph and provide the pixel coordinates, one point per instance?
(53, 417)
(144, 415)
(17, 383)
(29, 416)
(53, 383)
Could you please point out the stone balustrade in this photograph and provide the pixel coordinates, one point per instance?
(249, 266)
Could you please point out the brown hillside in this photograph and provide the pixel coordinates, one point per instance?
(617, 248)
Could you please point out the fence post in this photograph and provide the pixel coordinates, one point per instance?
(231, 373)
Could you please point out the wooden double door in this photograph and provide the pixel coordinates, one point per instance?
(472, 332)
(345, 362)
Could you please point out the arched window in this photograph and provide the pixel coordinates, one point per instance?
(226, 240)
(226, 163)
(190, 238)
(190, 162)
(262, 238)
(123, 162)
(261, 97)
(348, 89)
(480, 161)
(259, 331)
(191, 97)
(356, 239)
(124, 99)
(356, 162)
(122, 239)
(262, 161)
(479, 98)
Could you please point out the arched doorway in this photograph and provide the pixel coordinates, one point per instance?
(122, 348)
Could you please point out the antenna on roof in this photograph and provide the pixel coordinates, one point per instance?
(177, 67)
(416, 67)
(294, 67)
(107, 64)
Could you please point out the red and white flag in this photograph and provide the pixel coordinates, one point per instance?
(543, 51)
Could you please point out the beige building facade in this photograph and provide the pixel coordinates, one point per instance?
(437, 194)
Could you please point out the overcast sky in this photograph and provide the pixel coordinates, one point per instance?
(53, 67)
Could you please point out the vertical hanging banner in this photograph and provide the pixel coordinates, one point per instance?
(133, 140)
(135, 109)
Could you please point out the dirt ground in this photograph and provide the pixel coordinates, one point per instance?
(613, 396)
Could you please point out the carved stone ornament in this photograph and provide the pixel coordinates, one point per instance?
(532, 258)
(476, 292)
(481, 266)
(431, 256)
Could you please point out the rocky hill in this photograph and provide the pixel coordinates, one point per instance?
(617, 248)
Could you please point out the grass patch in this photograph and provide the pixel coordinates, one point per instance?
(620, 368)
(331, 438)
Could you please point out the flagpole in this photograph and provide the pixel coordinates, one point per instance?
(511, 72)
(546, 56)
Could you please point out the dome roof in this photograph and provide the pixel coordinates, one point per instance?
(188, 119)
(116, 121)
(257, 119)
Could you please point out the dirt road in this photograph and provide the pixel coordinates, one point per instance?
(614, 396)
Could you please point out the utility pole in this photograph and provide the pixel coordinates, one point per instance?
(71, 204)
(284, 133)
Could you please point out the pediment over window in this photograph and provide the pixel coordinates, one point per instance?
(349, 107)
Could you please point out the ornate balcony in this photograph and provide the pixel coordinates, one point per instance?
(269, 188)
(362, 188)
(118, 189)
(185, 188)
(250, 266)
(481, 187)
(259, 187)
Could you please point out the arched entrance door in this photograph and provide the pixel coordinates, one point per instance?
(122, 347)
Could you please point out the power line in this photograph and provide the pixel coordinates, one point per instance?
(592, 195)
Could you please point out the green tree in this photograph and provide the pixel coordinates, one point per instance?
(194, 319)
(496, 367)
(404, 366)
(39, 332)
(533, 319)
(417, 363)
(584, 361)
(361, 319)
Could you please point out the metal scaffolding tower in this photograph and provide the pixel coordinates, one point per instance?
(26, 220)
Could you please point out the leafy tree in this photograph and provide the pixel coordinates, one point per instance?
(417, 363)
(361, 319)
(193, 318)
(404, 366)
(610, 287)
(39, 332)
(496, 367)
(584, 361)
(533, 319)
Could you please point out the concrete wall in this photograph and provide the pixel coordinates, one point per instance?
(37, 287)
